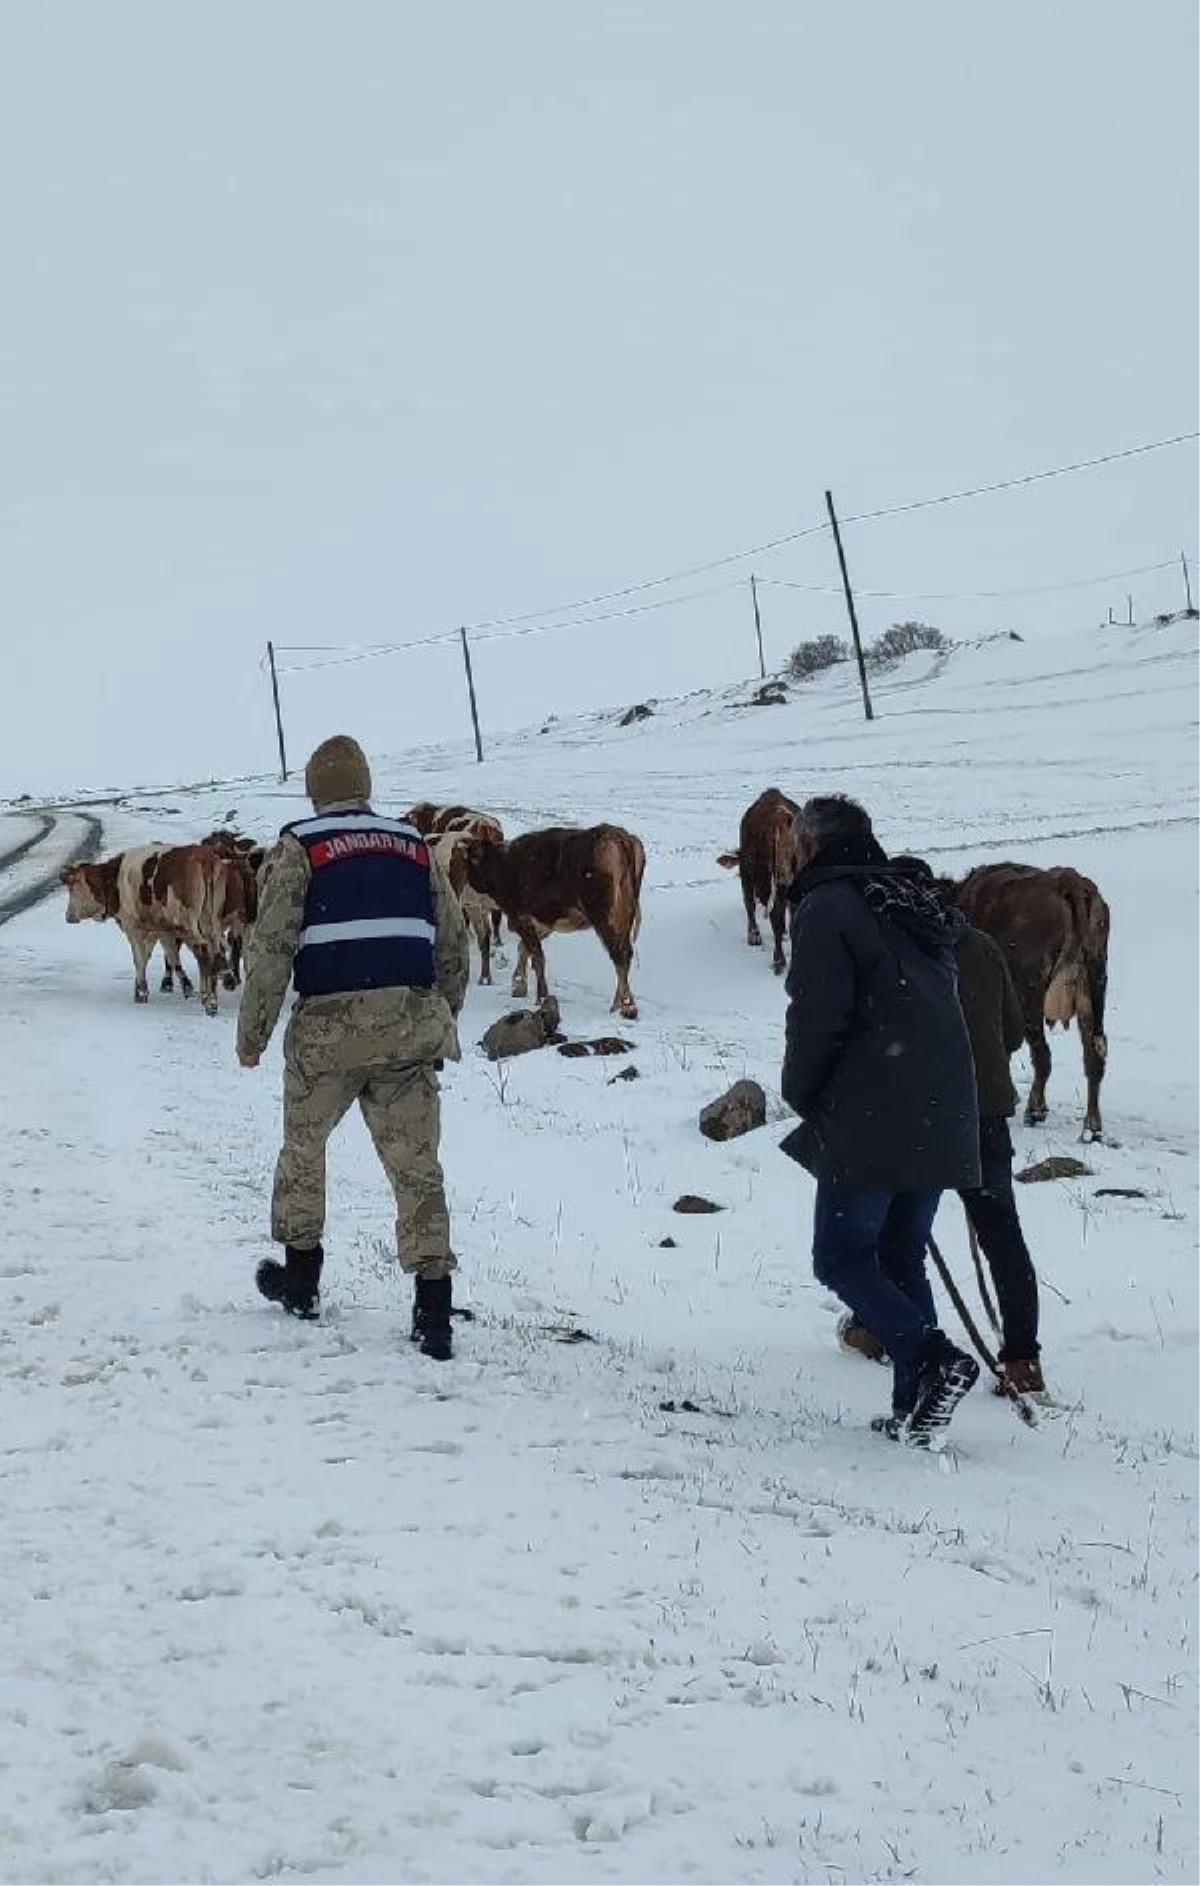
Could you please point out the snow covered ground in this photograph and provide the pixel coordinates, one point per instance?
(294, 1602)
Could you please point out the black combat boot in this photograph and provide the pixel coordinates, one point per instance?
(432, 1299)
(295, 1283)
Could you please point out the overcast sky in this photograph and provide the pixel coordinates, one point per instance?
(344, 323)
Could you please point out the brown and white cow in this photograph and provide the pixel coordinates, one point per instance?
(766, 862)
(435, 820)
(429, 818)
(564, 879)
(482, 915)
(181, 892)
(248, 857)
(1053, 927)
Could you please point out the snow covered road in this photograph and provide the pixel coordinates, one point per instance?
(33, 850)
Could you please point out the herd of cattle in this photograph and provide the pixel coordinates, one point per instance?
(1051, 924)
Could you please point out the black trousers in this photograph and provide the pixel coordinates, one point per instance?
(992, 1210)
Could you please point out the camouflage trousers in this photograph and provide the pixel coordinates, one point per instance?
(400, 1104)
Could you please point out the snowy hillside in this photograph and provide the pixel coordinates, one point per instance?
(294, 1602)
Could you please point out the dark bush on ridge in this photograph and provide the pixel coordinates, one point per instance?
(904, 638)
(811, 658)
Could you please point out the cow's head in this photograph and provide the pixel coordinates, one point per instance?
(91, 890)
(231, 844)
(479, 856)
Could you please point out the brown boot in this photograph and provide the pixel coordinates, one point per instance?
(857, 1336)
(1026, 1377)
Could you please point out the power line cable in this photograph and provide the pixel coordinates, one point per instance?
(1027, 478)
(537, 628)
(969, 595)
(760, 549)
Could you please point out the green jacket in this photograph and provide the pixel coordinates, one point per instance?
(994, 1021)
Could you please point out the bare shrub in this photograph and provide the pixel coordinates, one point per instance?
(812, 658)
(904, 638)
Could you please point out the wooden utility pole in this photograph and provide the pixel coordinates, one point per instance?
(1187, 581)
(762, 663)
(283, 772)
(868, 710)
(466, 654)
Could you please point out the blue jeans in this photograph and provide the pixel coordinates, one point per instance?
(869, 1248)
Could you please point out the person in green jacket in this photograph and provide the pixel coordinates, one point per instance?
(996, 1029)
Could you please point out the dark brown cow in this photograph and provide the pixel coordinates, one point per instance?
(563, 880)
(1053, 928)
(766, 862)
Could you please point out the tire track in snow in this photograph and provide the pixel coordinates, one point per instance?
(45, 825)
(73, 838)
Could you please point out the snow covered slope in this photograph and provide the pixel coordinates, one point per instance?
(289, 1601)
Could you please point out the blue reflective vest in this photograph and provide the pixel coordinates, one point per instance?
(369, 913)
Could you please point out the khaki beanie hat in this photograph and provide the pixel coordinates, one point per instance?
(337, 770)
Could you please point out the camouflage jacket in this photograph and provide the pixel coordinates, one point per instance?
(396, 1018)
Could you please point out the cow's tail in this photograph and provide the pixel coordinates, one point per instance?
(729, 860)
(639, 871)
(1079, 979)
(1095, 957)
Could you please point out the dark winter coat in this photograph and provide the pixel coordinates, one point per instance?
(993, 1017)
(877, 1063)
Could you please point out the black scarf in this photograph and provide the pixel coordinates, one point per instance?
(893, 893)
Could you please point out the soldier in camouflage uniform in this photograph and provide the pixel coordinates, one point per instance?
(354, 907)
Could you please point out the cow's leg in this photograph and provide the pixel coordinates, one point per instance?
(1095, 1056)
(617, 939)
(186, 984)
(778, 926)
(520, 979)
(175, 968)
(482, 925)
(209, 962)
(530, 952)
(233, 962)
(142, 947)
(753, 933)
(1039, 1053)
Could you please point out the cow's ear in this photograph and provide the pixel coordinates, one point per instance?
(67, 874)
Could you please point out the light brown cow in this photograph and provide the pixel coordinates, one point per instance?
(482, 915)
(1053, 928)
(184, 893)
(766, 862)
(564, 880)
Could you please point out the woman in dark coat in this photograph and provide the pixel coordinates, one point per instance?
(878, 1066)
(996, 1029)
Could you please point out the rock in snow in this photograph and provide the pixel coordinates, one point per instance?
(738, 1111)
(521, 1031)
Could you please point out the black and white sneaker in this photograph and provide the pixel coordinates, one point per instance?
(946, 1375)
(891, 1426)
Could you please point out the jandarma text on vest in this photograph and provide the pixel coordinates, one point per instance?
(354, 844)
